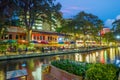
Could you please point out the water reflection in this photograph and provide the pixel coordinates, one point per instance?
(15, 69)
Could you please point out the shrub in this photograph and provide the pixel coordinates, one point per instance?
(77, 68)
(102, 72)
(89, 71)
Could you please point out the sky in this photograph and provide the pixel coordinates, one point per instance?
(107, 10)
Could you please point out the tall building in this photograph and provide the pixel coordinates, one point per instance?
(105, 30)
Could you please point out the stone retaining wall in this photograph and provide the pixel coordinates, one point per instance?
(63, 75)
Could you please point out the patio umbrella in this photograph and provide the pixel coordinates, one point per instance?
(44, 42)
(60, 42)
(7, 41)
(11, 41)
(33, 41)
(67, 42)
(72, 42)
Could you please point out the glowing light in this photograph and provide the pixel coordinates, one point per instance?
(118, 37)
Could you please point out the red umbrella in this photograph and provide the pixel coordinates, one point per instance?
(44, 42)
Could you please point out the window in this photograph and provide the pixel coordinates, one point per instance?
(34, 37)
(43, 37)
(24, 37)
(16, 36)
(6, 36)
(20, 36)
(48, 38)
(40, 37)
(37, 37)
(10, 36)
(2, 37)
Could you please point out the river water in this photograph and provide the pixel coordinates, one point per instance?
(31, 68)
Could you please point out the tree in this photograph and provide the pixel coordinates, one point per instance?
(31, 10)
(7, 8)
(88, 24)
(109, 37)
(116, 28)
(116, 25)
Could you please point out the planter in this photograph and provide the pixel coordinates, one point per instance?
(60, 74)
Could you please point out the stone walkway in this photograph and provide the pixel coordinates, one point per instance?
(49, 77)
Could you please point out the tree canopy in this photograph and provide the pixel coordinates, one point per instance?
(28, 11)
(87, 23)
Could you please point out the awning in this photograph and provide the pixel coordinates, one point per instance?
(43, 42)
(60, 42)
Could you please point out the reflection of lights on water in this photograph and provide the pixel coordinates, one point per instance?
(97, 54)
(94, 57)
(102, 57)
(37, 74)
(90, 58)
(111, 50)
(78, 57)
(117, 63)
(87, 58)
(119, 48)
(23, 65)
(105, 55)
(112, 54)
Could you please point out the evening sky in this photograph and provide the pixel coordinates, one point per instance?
(106, 10)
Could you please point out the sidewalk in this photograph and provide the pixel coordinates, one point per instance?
(13, 55)
(48, 77)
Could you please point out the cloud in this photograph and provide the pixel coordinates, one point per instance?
(73, 8)
(108, 22)
(66, 11)
(77, 8)
(118, 17)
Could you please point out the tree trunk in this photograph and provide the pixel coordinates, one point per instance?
(75, 40)
(29, 35)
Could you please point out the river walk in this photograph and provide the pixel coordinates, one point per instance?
(36, 54)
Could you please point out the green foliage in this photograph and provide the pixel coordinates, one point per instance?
(109, 37)
(77, 68)
(89, 71)
(3, 48)
(102, 72)
(116, 25)
(87, 23)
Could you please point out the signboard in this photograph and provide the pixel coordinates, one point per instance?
(16, 73)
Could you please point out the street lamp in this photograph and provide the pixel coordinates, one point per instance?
(118, 37)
